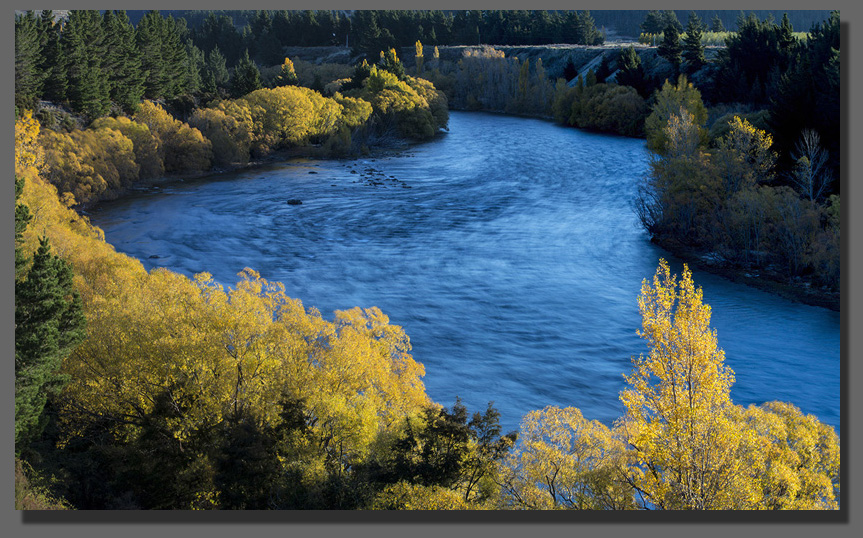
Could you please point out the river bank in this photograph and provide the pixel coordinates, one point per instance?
(798, 289)
(381, 147)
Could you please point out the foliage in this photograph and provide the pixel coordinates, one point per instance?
(670, 47)
(564, 461)
(670, 101)
(90, 164)
(287, 75)
(144, 144)
(677, 403)
(411, 107)
(31, 494)
(246, 77)
(182, 148)
(693, 49)
(228, 127)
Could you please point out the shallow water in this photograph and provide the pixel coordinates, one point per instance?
(507, 249)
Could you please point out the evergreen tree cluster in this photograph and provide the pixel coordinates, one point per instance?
(374, 30)
(95, 62)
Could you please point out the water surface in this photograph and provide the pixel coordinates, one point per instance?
(507, 249)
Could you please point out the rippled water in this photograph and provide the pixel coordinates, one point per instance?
(506, 248)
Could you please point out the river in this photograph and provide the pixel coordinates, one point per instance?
(507, 249)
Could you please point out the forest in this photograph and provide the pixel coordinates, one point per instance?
(248, 399)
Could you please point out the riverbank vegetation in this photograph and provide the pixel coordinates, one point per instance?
(152, 390)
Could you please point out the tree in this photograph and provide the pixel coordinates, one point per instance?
(28, 51)
(215, 75)
(83, 48)
(53, 60)
(670, 100)
(564, 461)
(419, 57)
(656, 22)
(693, 50)
(246, 77)
(163, 56)
(631, 72)
(122, 63)
(287, 76)
(49, 323)
(22, 218)
(682, 439)
(670, 48)
(716, 24)
(743, 157)
(810, 174)
(390, 62)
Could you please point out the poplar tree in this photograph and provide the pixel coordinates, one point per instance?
(678, 402)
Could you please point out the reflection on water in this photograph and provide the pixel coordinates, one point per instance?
(508, 251)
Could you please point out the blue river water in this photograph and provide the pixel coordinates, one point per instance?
(508, 250)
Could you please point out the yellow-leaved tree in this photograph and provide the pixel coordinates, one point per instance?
(564, 461)
(678, 423)
(690, 447)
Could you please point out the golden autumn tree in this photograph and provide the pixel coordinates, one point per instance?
(678, 423)
(564, 461)
(690, 447)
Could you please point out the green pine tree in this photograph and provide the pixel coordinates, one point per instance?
(22, 218)
(670, 48)
(53, 65)
(88, 87)
(693, 49)
(631, 71)
(28, 52)
(215, 75)
(246, 77)
(122, 62)
(49, 323)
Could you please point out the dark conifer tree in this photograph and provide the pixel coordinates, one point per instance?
(122, 62)
(49, 323)
(246, 77)
(590, 34)
(28, 57)
(631, 72)
(670, 48)
(693, 49)
(22, 219)
(53, 65)
(716, 24)
(83, 48)
(215, 76)
(808, 95)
